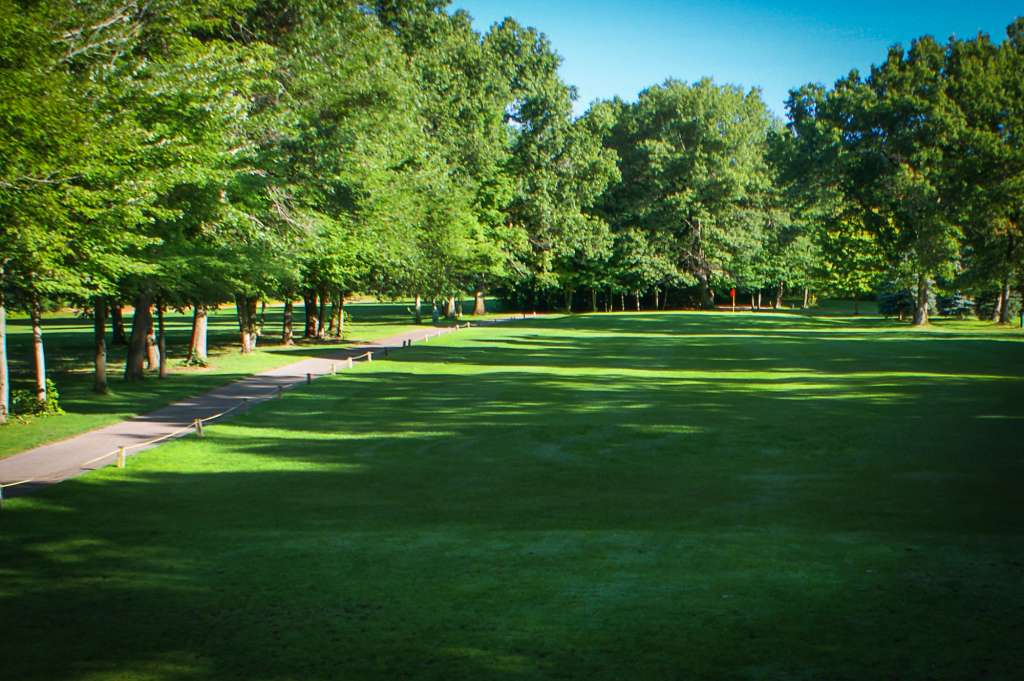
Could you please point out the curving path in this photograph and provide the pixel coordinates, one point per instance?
(51, 463)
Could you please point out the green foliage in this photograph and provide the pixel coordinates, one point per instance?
(986, 305)
(955, 305)
(694, 175)
(24, 402)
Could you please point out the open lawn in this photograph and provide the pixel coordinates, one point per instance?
(626, 496)
(69, 347)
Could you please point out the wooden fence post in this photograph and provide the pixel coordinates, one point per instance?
(309, 378)
(198, 423)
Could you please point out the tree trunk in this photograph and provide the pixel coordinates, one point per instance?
(449, 308)
(807, 297)
(36, 313)
(921, 304)
(5, 385)
(758, 306)
(479, 303)
(593, 300)
(341, 316)
(197, 343)
(418, 308)
(656, 302)
(117, 325)
(779, 292)
(997, 311)
(286, 325)
(152, 351)
(568, 300)
(1004, 314)
(141, 321)
(321, 322)
(609, 304)
(309, 300)
(622, 301)
(99, 328)
(161, 339)
(636, 294)
(707, 302)
(245, 307)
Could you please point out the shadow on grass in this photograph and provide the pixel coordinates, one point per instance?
(532, 506)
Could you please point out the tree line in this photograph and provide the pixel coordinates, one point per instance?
(165, 155)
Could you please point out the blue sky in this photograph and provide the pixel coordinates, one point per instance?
(619, 48)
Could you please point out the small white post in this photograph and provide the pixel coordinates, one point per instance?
(334, 368)
(198, 423)
(369, 357)
(348, 361)
(121, 457)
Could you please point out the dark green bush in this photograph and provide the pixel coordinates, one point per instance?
(955, 305)
(24, 402)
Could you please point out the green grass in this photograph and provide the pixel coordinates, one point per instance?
(69, 345)
(688, 495)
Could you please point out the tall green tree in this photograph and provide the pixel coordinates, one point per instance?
(693, 163)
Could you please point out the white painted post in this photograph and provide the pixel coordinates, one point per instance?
(348, 360)
(369, 357)
(198, 423)
(334, 368)
(121, 462)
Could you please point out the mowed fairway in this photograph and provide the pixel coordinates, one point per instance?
(678, 495)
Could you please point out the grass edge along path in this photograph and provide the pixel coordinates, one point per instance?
(50, 463)
(69, 357)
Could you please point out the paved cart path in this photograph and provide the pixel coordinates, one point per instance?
(50, 463)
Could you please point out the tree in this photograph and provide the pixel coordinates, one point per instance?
(559, 166)
(693, 168)
(985, 168)
(883, 141)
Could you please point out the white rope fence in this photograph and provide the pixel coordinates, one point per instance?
(120, 454)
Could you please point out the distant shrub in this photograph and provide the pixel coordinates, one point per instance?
(955, 305)
(901, 302)
(986, 304)
(24, 402)
(896, 303)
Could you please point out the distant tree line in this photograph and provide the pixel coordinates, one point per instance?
(166, 155)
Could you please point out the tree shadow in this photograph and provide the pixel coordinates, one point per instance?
(510, 504)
